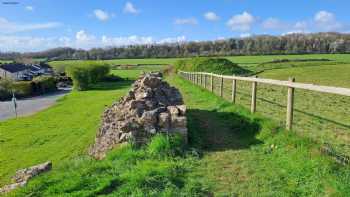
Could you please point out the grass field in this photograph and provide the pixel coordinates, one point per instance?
(239, 160)
(60, 132)
(323, 117)
(242, 155)
(238, 156)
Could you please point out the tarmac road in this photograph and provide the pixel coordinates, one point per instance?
(29, 106)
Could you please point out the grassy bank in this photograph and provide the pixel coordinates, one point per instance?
(60, 132)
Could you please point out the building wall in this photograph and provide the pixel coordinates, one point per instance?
(14, 76)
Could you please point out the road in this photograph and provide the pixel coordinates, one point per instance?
(29, 106)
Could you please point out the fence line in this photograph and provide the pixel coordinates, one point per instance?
(197, 78)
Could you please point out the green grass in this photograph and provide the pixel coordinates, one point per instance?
(60, 65)
(322, 117)
(134, 73)
(233, 156)
(238, 158)
(60, 132)
(330, 75)
(249, 62)
(153, 170)
(253, 61)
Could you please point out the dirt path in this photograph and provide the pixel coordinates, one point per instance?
(29, 106)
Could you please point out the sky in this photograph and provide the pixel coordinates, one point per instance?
(36, 25)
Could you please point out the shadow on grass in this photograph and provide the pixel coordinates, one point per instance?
(218, 131)
(104, 86)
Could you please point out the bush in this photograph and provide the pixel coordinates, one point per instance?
(214, 65)
(44, 84)
(22, 88)
(5, 89)
(86, 74)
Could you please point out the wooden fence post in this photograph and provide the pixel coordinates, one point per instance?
(197, 78)
(221, 86)
(290, 106)
(253, 102)
(203, 75)
(211, 82)
(233, 96)
(205, 81)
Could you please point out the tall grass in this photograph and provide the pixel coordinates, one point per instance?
(153, 170)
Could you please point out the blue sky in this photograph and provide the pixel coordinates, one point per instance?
(34, 25)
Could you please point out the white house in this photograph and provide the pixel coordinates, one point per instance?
(14, 71)
(17, 71)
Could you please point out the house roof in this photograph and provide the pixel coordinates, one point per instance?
(13, 67)
(34, 67)
(44, 65)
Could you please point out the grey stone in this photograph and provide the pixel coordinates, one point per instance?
(22, 176)
(151, 107)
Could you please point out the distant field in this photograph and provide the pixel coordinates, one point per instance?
(247, 61)
(331, 75)
(60, 65)
(134, 73)
(253, 61)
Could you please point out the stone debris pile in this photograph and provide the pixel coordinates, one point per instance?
(22, 176)
(152, 106)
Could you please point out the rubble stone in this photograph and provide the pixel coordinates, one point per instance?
(151, 107)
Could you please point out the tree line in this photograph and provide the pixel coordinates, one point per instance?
(255, 45)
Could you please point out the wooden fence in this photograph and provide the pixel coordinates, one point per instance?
(201, 78)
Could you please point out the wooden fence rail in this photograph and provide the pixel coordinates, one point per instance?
(197, 78)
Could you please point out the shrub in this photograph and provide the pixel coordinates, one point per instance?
(98, 72)
(214, 65)
(5, 89)
(86, 74)
(44, 84)
(22, 88)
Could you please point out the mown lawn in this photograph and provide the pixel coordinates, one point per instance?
(60, 132)
(247, 155)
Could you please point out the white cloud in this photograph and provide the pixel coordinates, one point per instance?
(178, 39)
(122, 41)
(241, 22)
(130, 8)
(324, 17)
(82, 40)
(29, 8)
(186, 21)
(274, 23)
(245, 35)
(101, 15)
(211, 16)
(301, 25)
(326, 21)
(7, 27)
